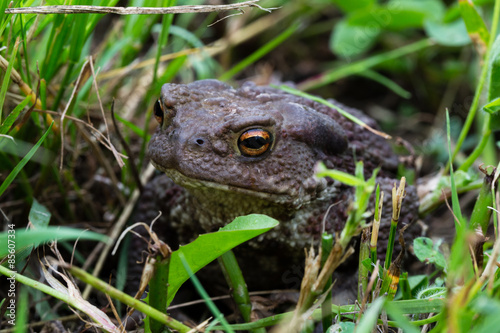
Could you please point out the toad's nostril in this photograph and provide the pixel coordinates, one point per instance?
(200, 142)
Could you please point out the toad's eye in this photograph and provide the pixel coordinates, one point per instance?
(158, 112)
(254, 142)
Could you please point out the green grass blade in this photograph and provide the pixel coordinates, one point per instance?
(3, 16)
(6, 79)
(163, 40)
(217, 314)
(333, 106)
(454, 193)
(262, 51)
(343, 177)
(362, 65)
(388, 83)
(11, 118)
(133, 127)
(369, 320)
(326, 307)
(33, 237)
(23, 162)
(23, 306)
(26, 53)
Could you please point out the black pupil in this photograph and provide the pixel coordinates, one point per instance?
(158, 110)
(255, 142)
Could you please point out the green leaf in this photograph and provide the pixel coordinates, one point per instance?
(342, 327)
(208, 247)
(367, 263)
(428, 252)
(417, 282)
(343, 177)
(476, 27)
(492, 107)
(32, 237)
(494, 75)
(353, 5)
(349, 40)
(447, 34)
(494, 87)
(489, 308)
(39, 215)
(399, 15)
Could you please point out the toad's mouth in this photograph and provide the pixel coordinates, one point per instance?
(197, 184)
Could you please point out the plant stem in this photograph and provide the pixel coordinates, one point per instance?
(326, 307)
(158, 290)
(128, 300)
(237, 284)
(486, 133)
(482, 80)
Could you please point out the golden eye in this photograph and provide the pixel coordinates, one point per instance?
(254, 142)
(158, 112)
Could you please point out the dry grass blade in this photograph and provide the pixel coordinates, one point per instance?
(107, 140)
(63, 115)
(101, 320)
(132, 10)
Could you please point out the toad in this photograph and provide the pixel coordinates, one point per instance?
(229, 152)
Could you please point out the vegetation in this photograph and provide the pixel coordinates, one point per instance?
(70, 83)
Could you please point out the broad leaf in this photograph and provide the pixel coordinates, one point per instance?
(447, 34)
(349, 40)
(208, 247)
(476, 27)
(398, 15)
(427, 251)
(39, 215)
(353, 5)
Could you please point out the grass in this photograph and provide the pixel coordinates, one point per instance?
(365, 53)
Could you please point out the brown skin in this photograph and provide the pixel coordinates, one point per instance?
(231, 152)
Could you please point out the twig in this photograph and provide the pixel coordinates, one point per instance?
(132, 10)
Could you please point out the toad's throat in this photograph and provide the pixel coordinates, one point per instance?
(197, 184)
